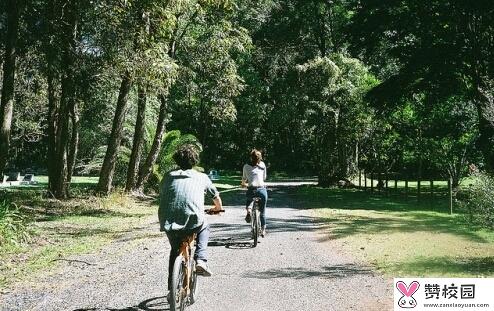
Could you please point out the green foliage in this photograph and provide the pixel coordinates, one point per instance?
(479, 203)
(94, 165)
(332, 90)
(171, 142)
(165, 163)
(13, 225)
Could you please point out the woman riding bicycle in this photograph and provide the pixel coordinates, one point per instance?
(253, 176)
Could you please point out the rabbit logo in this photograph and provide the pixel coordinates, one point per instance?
(407, 301)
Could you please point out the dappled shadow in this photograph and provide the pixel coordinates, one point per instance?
(53, 215)
(125, 235)
(309, 197)
(414, 216)
(226, 230)
(152, 304)
(409, 223)
(435, 266)
(330, 272)
(232, 244)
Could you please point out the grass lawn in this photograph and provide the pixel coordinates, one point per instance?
(403, 237)
(60, 229)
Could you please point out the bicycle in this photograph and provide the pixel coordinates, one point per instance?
(184, 289)
(255, 224)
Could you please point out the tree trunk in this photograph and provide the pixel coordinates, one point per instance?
(60, 169)
(53, 107)
(53, 99)
(59, 186)
(108, 168)
(147, 168)
(74, 141)
(135, 156)
(7, 100)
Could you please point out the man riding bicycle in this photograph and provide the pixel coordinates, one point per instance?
(181, 208)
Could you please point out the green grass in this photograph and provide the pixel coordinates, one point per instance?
(42, 182)
(62, 229)
(402, 237)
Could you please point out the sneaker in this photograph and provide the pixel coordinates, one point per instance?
(202, 268)
(263, 232)
(248, 218)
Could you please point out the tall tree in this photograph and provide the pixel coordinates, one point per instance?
(13, 8)
(137, 141)
(440, 47)
(108, 168)
(69, 36)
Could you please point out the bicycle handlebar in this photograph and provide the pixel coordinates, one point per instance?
(213, 212)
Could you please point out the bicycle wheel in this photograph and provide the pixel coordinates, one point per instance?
(193, 283)
(177, 290)
(255, 225)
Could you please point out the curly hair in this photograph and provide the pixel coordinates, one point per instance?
(255, 157)
(187, 156)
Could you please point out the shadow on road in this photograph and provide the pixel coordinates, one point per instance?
(151, 304)
(331, 272)
(225, 230)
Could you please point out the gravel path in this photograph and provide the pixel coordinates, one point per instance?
(293, 268)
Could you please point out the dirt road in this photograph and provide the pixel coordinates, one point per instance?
(293, 268)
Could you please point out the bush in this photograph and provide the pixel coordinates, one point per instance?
(13, 225)
(479, 201)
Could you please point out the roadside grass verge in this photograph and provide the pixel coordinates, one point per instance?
(402, 237)
(60, 229)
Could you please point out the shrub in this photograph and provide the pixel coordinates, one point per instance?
(479, 201)
(13, 225)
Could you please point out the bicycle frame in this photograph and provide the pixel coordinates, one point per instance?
(187, 248)
(184, 280)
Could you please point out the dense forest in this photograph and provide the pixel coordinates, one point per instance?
(109, 88)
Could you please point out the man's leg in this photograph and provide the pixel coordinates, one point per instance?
(201, 254)
(202, 243)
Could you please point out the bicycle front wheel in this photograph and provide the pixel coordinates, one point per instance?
(193, 284)
(178, 292)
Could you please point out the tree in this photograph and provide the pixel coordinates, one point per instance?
(333, 89)
(13, 9)
(439, 47)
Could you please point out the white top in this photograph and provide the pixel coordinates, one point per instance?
(254, 175)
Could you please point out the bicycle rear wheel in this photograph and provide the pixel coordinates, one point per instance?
(177, 290)
(255, 224)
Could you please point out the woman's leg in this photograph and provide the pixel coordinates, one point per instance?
(249, 196)
(263, 195)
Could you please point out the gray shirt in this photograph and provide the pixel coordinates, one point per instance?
(182, 200)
